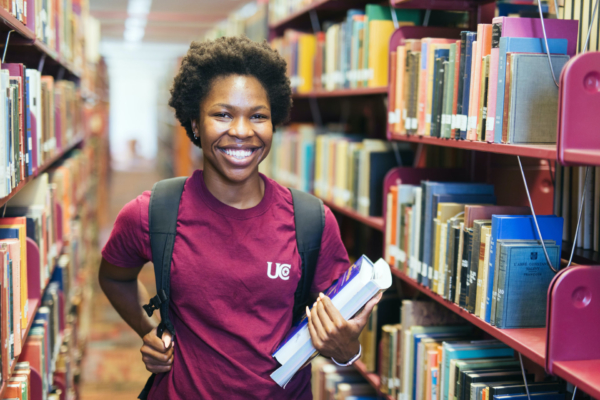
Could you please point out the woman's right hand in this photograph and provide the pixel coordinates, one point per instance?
(157, 353)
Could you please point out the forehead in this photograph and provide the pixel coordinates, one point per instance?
(237, 90)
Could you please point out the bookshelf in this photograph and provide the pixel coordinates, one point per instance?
(372, 378)
(41, 169)
(325, 9)
(374, 222)
(530, 342)
(534, 151)
(23, 46)
(448, 5)
(343, 93)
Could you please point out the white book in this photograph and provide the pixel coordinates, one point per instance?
(349, 294)
(415, 264)
(4, 188)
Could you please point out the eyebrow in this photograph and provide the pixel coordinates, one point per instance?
(230, 107)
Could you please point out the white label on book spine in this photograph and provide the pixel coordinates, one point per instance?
(430, 273)
(489, 124)
(453, 122)
(435, 275)
(364, 201)
(473, 122)
(424, 269)
(428, 118)
(29, 143)
(463, 122)
(414, 123)
(391, 117)
(401, 255)
(404, 113)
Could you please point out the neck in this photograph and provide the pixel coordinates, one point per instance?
(240, 195)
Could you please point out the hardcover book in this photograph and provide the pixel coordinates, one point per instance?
(349, 294)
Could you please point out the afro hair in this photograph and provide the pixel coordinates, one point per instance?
(205, 61)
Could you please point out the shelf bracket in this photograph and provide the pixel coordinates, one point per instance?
(6, 45)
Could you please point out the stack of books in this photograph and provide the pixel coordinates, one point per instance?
(432, 356)
(488, 259)
(332, 382)
(42, 249)
(350, 54)
(492, 85)
(39, 117)
(569, 186)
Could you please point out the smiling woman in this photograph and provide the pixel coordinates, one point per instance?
(228, 307)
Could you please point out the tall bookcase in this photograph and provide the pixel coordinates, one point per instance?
(20, 44)
(492, 163)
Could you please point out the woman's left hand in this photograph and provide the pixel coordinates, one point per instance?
(331, 334)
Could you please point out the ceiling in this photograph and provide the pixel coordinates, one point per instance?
(169, 21)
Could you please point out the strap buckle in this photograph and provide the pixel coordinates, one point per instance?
(155, 303)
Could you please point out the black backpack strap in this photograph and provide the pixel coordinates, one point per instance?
(162, 218)
(309, 217)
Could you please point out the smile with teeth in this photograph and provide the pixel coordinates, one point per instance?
(239, 154)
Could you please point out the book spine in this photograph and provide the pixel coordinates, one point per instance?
(471, 37)
(500, 91)
(461, 82)
(442, 260)
(510, 64)
(473, 267)
(493, 314)
(455, 89)
(459, 257)
(465, 264)
(503, 265)
(493, 82)
(490, 276)
(422, 88)
(423, 236)
(481, 120)
(442, 71)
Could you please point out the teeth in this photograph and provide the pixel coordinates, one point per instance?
(239, 154)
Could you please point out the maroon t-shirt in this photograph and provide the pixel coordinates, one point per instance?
(233, 278)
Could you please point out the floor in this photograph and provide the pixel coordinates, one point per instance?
(113, 367)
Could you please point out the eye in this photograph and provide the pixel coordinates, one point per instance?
(260, 116)
(222, 115)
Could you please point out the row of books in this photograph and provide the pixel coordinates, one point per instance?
(570, 185)
(61, 25)
(492, 85)
(350, 54)
(39, 117)
(280, 9)
(41, 242)
(430, 355)
(332, 382)
(347, 170)
(488, 259)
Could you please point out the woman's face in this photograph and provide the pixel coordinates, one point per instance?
(235, 127)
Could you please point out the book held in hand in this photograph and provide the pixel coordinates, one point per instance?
(363, 280)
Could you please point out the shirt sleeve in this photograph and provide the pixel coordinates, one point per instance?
(333, 257)
(129, 243)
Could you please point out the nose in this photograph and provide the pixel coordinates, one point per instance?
(241, 128)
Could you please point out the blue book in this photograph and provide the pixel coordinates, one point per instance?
(28, 145)
(441, 336)
(429, 189)
(518, 45)
(518, 227)
(471, 37)
(9, 233)
(462, 351)
(534, 396)
(523, 280)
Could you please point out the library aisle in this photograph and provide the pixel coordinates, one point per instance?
(112, 368)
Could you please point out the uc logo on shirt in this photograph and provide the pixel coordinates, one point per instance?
(281, 271)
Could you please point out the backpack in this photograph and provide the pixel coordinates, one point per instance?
(309, 218)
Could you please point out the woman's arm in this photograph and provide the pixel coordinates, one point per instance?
(127, 295)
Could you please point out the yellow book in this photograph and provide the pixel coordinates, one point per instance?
(341, 171)
(485, 73)
(307, 48)
(429, 93)
(400, 72)
(23, 268)
(486, 232)
(331, 43)
(380, 32)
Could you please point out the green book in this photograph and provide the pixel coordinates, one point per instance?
(475, 364)
(448, 94)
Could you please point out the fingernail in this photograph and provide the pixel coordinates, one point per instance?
(307, 312)
(315, 304)
(321, 296)
(167, 341)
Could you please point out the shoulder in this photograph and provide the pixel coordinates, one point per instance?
(135, 213)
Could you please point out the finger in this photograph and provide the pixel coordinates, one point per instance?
(334, 315)
(151, 339)
(167, 339)
(158, 355)
(313, 335)
(150, 360)
(324, 318)
(314, 317)
(158, 369)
